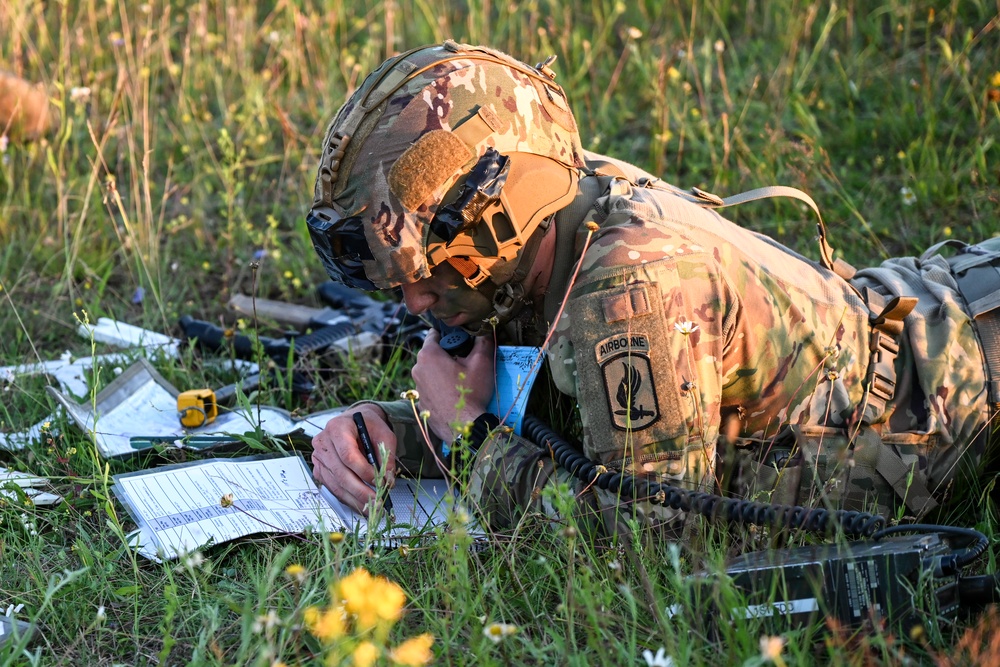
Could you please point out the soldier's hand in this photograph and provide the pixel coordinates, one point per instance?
(339, 463)
(437, 376)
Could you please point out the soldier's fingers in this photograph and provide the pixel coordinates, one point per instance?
(383, 438)
(347, 488)
(482, 355)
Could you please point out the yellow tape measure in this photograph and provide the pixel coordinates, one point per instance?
(197, 407)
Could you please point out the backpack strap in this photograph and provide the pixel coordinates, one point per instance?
(886, 319)
(709, 200)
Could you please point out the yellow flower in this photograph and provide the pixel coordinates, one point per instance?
(365, 654)
(336, 538)
(296, 573)
(325, 625)
(371, 599)
(770, 649)
(995, 80)
(414, 651)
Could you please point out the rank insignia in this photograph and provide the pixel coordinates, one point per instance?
(628, 381)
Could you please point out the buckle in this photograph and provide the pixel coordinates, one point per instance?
(882, 371)
(708, 197)
(477, 278)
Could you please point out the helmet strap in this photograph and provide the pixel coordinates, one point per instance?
(509, 298)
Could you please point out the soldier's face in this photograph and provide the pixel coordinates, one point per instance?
(447, 296)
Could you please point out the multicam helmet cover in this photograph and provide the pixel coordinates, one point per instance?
(463, 131)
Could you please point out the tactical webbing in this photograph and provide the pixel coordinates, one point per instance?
(905, 481)
(709, 200)
(886, 318)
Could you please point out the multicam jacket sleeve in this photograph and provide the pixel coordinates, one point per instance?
(681, 324)
(683, 332)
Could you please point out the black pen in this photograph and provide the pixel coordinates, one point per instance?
(368, 449)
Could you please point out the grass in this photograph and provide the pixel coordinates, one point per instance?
(193, 149)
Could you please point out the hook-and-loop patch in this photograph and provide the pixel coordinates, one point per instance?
(625, 356)
(628, 381)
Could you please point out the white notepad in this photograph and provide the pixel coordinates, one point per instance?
(178, 508)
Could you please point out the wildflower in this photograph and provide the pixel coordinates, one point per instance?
(79, 94)
(909, 199)
(226, 500)
(138, 295)
(614, 566)
(365, 654)
(336, 538)
(145, 8)
(634, 33)
(686, 328)
(4, 142)
(327, 625)
(673, 74)
(719, 46)
(267, 622)
(497, 632)
(259, 254)
(193, 560)
(770, 649)
(274, 37)
(995, 80)
(410, 395)
(296, 573)
(414, 651)
(372, 600)
(661, 659)
(462, 514)
(101, 614)
(425, 415)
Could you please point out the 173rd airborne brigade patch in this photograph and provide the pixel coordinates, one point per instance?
(628, 381)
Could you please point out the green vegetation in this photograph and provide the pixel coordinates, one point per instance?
(179, 174)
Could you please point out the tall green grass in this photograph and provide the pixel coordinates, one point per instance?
(195, 150)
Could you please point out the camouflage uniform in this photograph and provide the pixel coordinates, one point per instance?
(685, 339)
(725, 334)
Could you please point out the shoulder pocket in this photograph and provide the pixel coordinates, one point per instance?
(626, 382)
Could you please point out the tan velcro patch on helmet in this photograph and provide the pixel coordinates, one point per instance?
(426, 166)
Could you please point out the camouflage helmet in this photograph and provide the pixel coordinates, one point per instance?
(448, 153)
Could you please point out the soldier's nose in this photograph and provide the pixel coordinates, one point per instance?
(417, 298)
